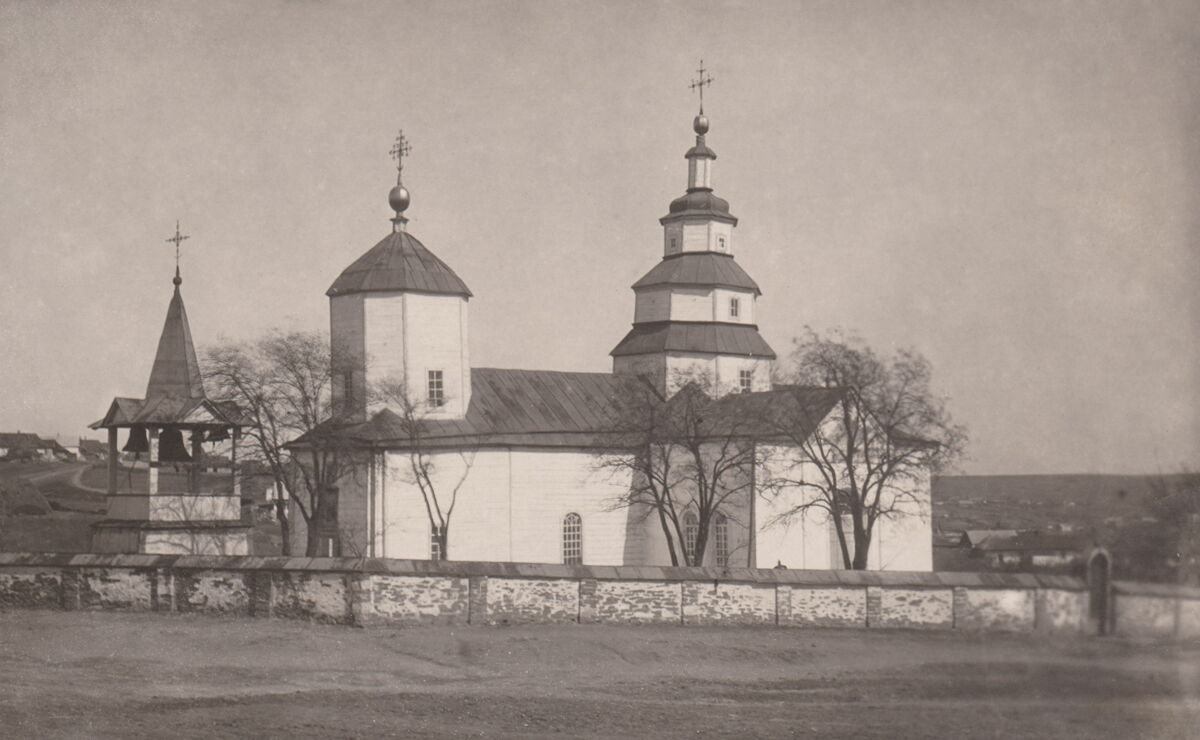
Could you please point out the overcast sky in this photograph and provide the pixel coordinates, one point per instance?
(1010, 188)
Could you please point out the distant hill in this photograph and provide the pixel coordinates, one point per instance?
(1044, 502)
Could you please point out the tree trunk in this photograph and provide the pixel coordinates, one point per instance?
(312, 545)
(443, 539)
(285, 528)
(666, 528)
(862, 545)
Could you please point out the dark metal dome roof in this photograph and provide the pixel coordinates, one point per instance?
(699, 202)
(399, 262)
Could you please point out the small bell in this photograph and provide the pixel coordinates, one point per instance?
(170, 447)
(217, 435)
(137, 441)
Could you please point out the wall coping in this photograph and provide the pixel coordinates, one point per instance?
(388, 566)
(1170, 590)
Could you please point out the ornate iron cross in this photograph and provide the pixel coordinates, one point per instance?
(399, 151)
(703, 81)
(177, 239)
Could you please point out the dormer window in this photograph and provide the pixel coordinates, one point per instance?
(437, 389)
(734, 308)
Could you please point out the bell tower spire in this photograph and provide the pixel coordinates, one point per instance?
(694, 312)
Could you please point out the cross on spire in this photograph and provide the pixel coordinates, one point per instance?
(399, 151)
(701, 82)
(177, 239)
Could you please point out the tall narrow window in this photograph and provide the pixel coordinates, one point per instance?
(721, 540)
(691, 530)
(572, 539)
(745, 380)
(674, 244)
(734, 308)
(720, 244)
(435, 542)
(437, 390)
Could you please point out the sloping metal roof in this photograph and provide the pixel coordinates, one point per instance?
(399, 262)
(694, 336)
(708, 269)
(171, 410)
(176, 372)
(533, 407)
(798, 409)
(540, 408)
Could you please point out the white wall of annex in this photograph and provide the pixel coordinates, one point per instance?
(547, 485)
(510, 506)
(807, 539)
(480, 526)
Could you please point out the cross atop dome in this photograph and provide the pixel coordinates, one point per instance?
(702, 81)
(399, 151)
(399, 197)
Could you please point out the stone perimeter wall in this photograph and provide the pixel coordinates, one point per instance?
(398, 592)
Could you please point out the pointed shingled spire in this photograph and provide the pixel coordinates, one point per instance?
(176, 371)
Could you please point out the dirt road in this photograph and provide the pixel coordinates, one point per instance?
(112, 675)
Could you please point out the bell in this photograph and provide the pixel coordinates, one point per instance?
(137, 441)
(217, 435)
(170, 447)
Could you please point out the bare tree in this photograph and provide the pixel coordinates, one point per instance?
(282, 383)
(689, 455)
(411, 417)
(884, 435)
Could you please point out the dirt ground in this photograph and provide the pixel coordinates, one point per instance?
(90, 675)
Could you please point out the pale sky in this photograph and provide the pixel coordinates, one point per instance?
(1009, 187)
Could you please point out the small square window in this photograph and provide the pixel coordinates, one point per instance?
(734, 308)
(745, 380)
(437, 390)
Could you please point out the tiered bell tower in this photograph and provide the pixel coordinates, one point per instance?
(694, 313)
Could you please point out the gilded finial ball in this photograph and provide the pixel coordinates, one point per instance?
(399, 199)
(700, 125)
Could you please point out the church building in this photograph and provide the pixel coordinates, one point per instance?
(519, 454)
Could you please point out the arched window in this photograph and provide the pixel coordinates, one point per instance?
(572, 539)
(721, 540)
(691, 530)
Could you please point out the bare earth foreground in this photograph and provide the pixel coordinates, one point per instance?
(75, 674)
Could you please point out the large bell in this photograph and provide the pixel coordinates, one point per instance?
(170, 447)
(137, 441)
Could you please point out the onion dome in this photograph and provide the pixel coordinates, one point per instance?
(399, 262)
